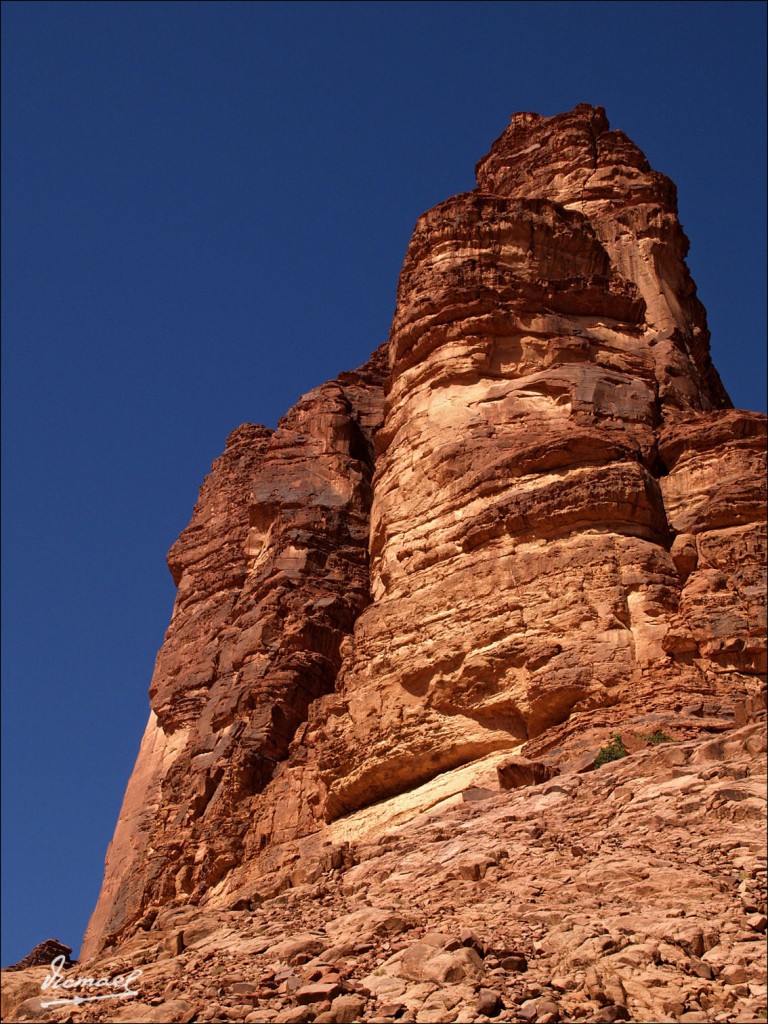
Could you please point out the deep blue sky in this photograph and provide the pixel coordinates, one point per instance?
(205, 210)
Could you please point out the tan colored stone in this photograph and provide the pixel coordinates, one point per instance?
(366, 924)
(19, 986)
(317, 993)
(347, 1009)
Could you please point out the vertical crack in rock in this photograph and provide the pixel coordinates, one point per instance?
(548, 525)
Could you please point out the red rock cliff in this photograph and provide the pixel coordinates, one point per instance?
(271, 572)
(564, 532)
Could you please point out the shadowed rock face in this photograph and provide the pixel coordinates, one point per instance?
(271, 573)
(564, 532)
(42, 955)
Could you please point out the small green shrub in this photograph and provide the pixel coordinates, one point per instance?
(657, 737)
(612, 751)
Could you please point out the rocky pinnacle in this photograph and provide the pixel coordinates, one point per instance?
(530, 520)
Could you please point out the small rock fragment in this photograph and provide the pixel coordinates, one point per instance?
(347, 1008)
(488, 1002)
(316, 993)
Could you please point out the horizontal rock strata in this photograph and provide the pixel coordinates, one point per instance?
(271, 572)
(546, 525)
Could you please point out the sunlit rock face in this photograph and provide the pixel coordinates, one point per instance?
(549, 520)
(551, 395)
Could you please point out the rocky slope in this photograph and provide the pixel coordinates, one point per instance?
(632, 892)
(530, 522)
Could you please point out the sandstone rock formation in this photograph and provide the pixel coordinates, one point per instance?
(544, 526)
(549, 368)
(272, 573)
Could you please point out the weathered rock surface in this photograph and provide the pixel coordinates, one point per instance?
(546, 469)
(633, 892)
(272, 573)
(544, 528)
(519, 771)
(42, 955)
